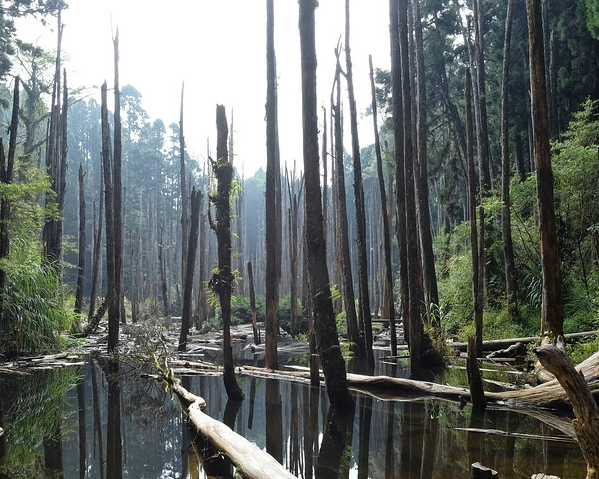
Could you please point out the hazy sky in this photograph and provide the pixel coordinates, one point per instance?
(218, 49)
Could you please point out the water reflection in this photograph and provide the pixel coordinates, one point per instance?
(114, 423)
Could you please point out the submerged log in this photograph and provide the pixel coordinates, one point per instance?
(585, 407)
(251, 461)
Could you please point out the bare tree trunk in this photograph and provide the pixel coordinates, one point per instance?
(96, 252)
(273, 207)
(416, 298)
(192, 245)
(294, 198)
(355, 337)
(113, 320)
(472, 202)
(222, 279)
(429, 274)
(511, 285)
(388, 277)
(184, 197)
(398, 138)
(56, 164)
(552, 310)
(163, 281)
(327, 340)
(253, 304)
(81, 253)
(362, 248)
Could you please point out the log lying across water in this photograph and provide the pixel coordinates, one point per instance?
(251, 461)
(497, 344)
(549, 395)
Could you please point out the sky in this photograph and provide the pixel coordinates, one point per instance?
(218, 49)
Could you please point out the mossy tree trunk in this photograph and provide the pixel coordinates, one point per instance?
(222, 279)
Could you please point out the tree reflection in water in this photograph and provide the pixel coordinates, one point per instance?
(114, 423)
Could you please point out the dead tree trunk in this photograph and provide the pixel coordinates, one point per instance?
(253, 304)
(56, 164)
(356, 338)
(192, 245)
(113, 320)
(365, 314)
(96, 251)
(184, 198)
(273, 207)
(327, 340)
(81, 253)
(222, 279)
(388, 282)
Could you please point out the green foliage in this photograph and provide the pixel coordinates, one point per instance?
(35, 309)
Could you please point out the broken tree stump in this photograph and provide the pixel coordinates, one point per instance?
(586, 424)
(475, 381)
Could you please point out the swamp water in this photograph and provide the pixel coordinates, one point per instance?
(103, 421)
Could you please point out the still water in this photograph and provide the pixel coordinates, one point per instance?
(102, 421)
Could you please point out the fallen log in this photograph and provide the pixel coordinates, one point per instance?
(549, 395)
(250, 461)
(585, 408)
(498, 344)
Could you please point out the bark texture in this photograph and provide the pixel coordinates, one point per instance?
(327, 340)
(552, 309)
(222, 279)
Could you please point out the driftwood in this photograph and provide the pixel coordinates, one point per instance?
(586, 424)
(251, 461)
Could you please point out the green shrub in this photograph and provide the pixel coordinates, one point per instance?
(35, 310)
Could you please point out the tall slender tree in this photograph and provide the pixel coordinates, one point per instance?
(398, 152)
(388, 275)
(477, 297)
(552, 309)
(416, 298)
(356, 338)
(327, 339)
(222, 279)
(511, 285)
(273, 207)
(118, 191)
(81, 245)
(365, 314)
(429, 274)
(192, 245)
